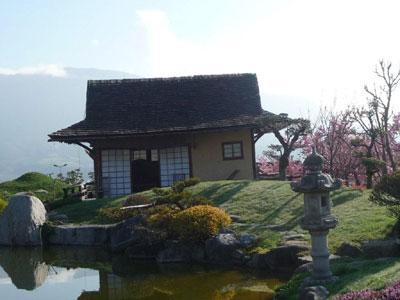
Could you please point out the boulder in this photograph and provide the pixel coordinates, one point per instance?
(127, 232)
(281, 259)
(144, 244)
(224, 249)
(380, 248)
(247, 240)
(314, 293)
(236, 219)
(347, 249)
(175, 253)
(21, 221)
(79, 235)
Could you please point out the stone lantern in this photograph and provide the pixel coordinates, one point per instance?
(317, 218)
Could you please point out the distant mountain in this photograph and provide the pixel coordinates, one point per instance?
(33, 106)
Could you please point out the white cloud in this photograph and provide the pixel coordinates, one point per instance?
(50, 70)
(313, 49)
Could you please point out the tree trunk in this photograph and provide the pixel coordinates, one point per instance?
(389, 152)
(369, 179)
(384, 168)
(283, 164)
(368, 170)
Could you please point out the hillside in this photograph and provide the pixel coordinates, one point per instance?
(270, 208)
(33, 182)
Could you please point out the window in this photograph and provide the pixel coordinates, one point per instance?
(232, 150)
(139, 154)
(116, 172)
(174, 165)
(154, 155)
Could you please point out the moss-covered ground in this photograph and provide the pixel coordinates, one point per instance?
(260, 204)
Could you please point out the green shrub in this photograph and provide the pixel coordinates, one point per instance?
(61, 202)
(387, 193)
(116, 214)
(3, 204)
(133, 200)
(200, 222)
(178, 197)
(162, 217)
(179, 186)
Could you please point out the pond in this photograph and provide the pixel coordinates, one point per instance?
(88, 273)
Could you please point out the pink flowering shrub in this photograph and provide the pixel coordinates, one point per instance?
(270, 168)
(389, 293)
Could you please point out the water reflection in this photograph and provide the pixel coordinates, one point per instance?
(76, 273)
(25, 267)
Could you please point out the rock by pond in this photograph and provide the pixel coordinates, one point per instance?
(21, 221)
(82, 235)
(282, 259)
(224, 249)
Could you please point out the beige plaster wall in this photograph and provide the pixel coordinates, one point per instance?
(207, 157)
(206, 151)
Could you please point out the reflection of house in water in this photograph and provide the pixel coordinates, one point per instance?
(118, 288)
(182, 284)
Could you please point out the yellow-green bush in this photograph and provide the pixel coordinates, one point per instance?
(116, 214)
(178, 196)
(199, 222)
(162, 217)
(3, 204)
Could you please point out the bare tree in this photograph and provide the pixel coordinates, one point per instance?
(379, 102)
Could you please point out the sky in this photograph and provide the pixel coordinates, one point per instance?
(313, 52)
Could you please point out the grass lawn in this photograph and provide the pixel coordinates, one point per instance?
(33, 182)
(260, 204)
(353, 275)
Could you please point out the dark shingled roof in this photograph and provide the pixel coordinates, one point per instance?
(157, 105)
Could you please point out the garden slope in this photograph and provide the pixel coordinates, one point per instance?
(269, 209)
(32, 182)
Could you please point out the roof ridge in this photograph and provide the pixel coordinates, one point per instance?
(173, 78)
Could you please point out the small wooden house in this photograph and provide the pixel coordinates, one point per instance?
(143, 133)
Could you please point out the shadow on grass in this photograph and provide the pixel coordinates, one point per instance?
(220, 194)
(294, 221)
(349, 271)
(344, 195)
(275, 213)
(85, 211)
(393, 231)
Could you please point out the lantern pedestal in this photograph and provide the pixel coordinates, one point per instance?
(318, 220)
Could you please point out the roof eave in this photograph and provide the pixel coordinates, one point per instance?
(88, 138)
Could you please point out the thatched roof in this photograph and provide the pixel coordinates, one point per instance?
(131, 107)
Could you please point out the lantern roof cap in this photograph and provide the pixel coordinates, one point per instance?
(314, 161)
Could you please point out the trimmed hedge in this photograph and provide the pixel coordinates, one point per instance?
(200, 222)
